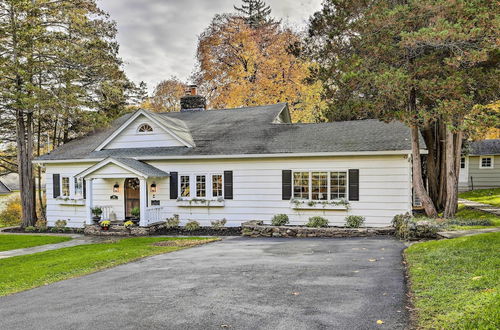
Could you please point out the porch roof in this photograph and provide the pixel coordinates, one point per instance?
(132, 165)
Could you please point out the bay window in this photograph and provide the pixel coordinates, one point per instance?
(201, 185)
(78, 187)
(320, 185)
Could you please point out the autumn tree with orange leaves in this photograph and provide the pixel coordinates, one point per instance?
(240, 64)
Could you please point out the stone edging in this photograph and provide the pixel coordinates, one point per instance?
(258, 229)
(120, 230)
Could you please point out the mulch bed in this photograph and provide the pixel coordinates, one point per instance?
(49, 230)
(186, 242)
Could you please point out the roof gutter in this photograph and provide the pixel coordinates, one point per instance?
(279, 155)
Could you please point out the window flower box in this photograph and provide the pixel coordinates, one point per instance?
(70, 201)
(297, 204)
(197, 202)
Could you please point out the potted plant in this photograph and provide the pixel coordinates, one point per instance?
(105, 224)
(128, 224)
(97, 212)
(136, 212)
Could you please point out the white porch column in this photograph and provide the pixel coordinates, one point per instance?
(143, 201)
(89, 199)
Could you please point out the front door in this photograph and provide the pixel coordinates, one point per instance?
(464, 170)
(132, 196)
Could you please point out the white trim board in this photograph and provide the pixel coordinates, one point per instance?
(280, 155)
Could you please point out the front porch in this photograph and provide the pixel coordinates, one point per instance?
(123, 189)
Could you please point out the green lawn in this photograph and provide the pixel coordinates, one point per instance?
(29, 271)
(456, 283)
(12, 242)
(486, 196)
(466, 213)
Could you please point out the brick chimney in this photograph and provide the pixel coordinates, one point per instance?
(191, 101)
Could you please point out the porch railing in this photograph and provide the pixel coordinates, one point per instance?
(155, 214)
(106, 211)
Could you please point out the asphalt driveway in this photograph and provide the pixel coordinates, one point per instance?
(237, 283)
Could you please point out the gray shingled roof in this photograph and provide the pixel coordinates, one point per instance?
(250, 131)
(484, 147)
(4, 189)
(144, 168)
(141, 167)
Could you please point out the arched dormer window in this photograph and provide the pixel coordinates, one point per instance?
(145, 128)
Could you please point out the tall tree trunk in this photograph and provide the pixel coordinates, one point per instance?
(442, 163)
(432, 165)
(453, 148)
(418, 182)
(39, 169)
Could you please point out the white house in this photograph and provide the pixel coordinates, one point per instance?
(235, 164)
(480, 165)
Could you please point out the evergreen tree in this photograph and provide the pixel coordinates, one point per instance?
(255, 12)
(427, 63)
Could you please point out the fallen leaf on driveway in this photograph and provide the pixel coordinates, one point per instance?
(225, 326)
(380, 322)
(372, 260)
(355, 271)
(295, 293)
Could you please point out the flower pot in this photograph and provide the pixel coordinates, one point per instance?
(105, 228)
(96, 219)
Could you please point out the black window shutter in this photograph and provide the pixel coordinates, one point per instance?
(354, 185)
(228, 184)
(84, 183)
(173, 185)
(286, 184)
(56, 185)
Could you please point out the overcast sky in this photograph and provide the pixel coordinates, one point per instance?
(158, 38)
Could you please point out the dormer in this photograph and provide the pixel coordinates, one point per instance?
(145, 129)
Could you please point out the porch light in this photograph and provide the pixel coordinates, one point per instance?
(153, 188)
(116, 187)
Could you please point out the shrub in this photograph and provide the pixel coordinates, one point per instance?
(192, 225)
(279, 220)
(172, 222)
(11, 214)
(354, 221)
(41, 225)
(219, 224)
(60, 224)
(30, 229)
(408, 228)
(55, 230)
(317, 222)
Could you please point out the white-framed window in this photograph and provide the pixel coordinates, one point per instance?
(486, 162)
(338, 185)
(301, 185)
(79, 188)
(65, 186)
(217, 186)
(144, 128)
(184, 186)
(320, 185)
(201, 185)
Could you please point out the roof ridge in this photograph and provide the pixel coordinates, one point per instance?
(255, 107)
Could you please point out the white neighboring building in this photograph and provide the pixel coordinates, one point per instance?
(238, 164)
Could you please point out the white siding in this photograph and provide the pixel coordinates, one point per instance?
(385, 189)
(129, 137)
